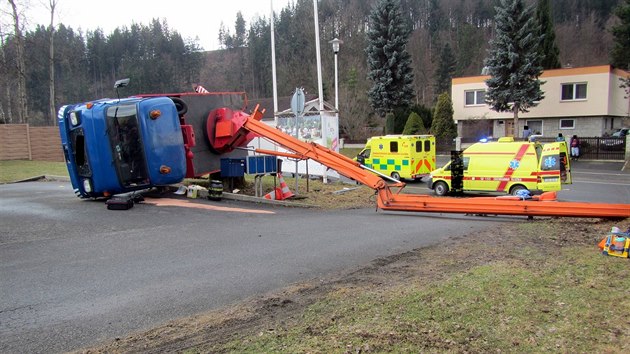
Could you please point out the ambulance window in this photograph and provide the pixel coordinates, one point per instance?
(366, 153)
(418, 146)
(427, 145)
(550, 162)
(393, 146)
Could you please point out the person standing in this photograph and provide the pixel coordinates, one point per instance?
(575, 147)
(526, 132)
(560, 137)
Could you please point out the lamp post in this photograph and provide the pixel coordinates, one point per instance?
(335, 44)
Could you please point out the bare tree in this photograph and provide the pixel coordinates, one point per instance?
(22, 109)
(52, 4)
(5, 117)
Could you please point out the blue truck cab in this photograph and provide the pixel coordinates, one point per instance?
(114, 146)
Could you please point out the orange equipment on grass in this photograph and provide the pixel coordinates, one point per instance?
(280, 193)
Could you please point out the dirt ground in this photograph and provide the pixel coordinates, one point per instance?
(206, 332)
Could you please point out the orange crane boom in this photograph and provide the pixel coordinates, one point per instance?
(544, 205)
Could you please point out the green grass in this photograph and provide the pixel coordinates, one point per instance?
(575, 300)
(350, 152)
(15, 170)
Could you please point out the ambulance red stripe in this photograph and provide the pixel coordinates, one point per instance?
(510, 171)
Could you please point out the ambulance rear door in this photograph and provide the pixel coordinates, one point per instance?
(423, 153)
(554, 167)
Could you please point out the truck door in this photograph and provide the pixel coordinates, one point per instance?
(554, 168)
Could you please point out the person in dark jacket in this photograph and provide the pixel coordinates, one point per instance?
(575, 147)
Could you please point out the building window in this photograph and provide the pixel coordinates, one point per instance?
(536, 126)
(475, 98)
(575, 91)
(567, 123)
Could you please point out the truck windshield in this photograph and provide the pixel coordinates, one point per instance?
(126, 144)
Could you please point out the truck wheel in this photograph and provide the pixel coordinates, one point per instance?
(516, 189)
(396, 176)
(440, 188)
(181, 106)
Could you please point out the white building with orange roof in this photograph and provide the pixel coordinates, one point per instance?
(584, 101)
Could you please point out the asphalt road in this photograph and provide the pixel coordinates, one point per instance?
(73, 273)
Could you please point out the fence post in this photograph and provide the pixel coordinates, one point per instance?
(28, 142)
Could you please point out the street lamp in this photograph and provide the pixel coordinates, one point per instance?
(335, 44)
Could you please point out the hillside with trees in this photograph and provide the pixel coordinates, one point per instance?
(446, 38)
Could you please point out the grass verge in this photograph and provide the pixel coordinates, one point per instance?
(545, 296)
(16, 170)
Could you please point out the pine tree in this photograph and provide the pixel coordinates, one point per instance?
(621, 51)
(240, 35)
(389, 62)
(548, 47)
(443, 125)
(514, 61)
(445, 70)
(414, 125)
(390, 123)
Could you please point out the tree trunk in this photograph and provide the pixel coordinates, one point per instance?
(51, 64)
(22, 109)
(515, 132)
(5, 116)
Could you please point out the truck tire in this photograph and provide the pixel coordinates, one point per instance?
(181, 106)
(396, 176)
(440, 188)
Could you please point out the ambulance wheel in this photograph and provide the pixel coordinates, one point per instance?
(396, 176)
(440, 189)
(516, 189)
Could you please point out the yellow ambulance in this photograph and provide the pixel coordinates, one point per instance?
(508, 166)
(400, 156)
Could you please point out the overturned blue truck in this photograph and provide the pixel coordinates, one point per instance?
(114, 146)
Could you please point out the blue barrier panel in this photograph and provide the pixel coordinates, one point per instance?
(232, 167)
(262, 164)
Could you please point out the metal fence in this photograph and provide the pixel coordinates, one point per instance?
(596, 148)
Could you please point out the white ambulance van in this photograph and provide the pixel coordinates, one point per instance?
(508, 166)
(400, 156)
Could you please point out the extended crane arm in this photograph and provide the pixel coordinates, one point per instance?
(319, 153)
(545, 205)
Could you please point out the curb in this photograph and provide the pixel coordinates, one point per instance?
(40, 177)
(203, 194)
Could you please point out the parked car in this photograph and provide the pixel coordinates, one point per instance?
(621, 133)
(616, 140)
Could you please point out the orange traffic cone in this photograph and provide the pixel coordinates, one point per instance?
(285, 192)
(272, 195)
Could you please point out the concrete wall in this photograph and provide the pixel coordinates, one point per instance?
(22, 142)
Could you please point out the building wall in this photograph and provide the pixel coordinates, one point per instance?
(602, 110)
(619, 104)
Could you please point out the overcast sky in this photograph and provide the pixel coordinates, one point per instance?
(191, 18)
